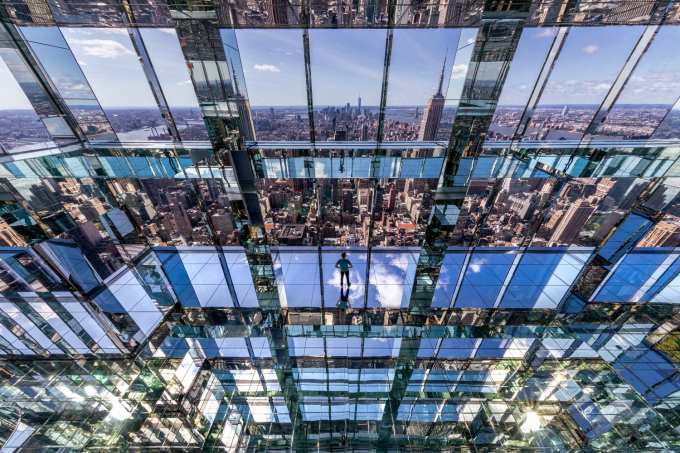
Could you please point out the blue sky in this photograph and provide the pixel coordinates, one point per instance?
(171, 69)
(110, 64)
(345, 64)
(349, 63)
(531, 52)
(12, 96)
(590, 60)
(273, 66)
(656, 80)
(417, 58)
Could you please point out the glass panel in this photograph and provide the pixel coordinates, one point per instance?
(542, 279)
(289, 209)
(110, 63)
(346, 65)
(526, 66)
(167, 210)
(586, 68)
(345, 211)
(471, 213)
(171, 69)
(666, 232)
(616, 196)
(20, 127)
(466, 45)
(483, 280)
(276, 83)
(402, 211)
(28, 82)
(649, 94)
(518, 204)
(571, 210)
(420, 68)
(56, 58)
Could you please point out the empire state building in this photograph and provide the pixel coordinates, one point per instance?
(433, 112)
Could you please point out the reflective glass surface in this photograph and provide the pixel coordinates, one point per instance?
(339, 226)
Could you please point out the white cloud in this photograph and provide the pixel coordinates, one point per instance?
(170, 31)
(459, 71)
(103, 48)
(475, 268)
(266, 67)
(590, 49)
(545, 33)
(186, 82)
(470, 40)
(82, 63)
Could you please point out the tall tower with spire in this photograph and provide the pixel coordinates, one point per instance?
(432, 114)
(243, 107)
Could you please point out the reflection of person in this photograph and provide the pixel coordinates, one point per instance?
(343, 304)
(344, 265)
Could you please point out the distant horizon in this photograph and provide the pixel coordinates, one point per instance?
(586, 105)
(390, 107)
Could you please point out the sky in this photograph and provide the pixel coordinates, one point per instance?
(12, 96)
(273, 66)
(656, 79)
(531, 52)
(416, 63)
(171, 69)
(588, 64)
(346, 64)
(109, 62)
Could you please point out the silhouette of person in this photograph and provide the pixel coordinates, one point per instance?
(344, 265)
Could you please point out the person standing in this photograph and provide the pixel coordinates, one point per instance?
(344, 265)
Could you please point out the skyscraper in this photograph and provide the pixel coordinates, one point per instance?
(664, 234)
(573, 221)
(359, 105)
(433, 112)
(243, 107)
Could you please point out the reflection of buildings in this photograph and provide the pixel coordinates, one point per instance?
(8, 237)
(572, 222)
(665, 234)
(243, 107)
(516, 207)
(396, 210)
(433, 112)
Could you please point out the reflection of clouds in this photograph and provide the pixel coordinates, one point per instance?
(102, 48)
(475, 268)
(266, 67)
(391, 287)
(459, 71)
(545, 33)
(356, 295)
(575, 90)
